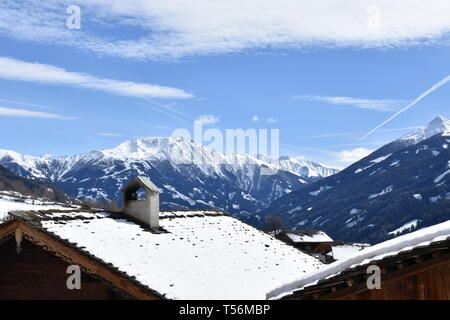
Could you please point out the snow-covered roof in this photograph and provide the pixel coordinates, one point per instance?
(204, 254)
(14, 201)
(344, 251)
(420, 238)
(141, 181)
(308, 236)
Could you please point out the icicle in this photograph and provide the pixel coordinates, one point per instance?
(18, 240)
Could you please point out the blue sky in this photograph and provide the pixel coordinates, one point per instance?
(65, 92)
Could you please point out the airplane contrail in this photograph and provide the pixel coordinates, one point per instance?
(166, 113)
(423, 95)
(25, 103)
(169, 107)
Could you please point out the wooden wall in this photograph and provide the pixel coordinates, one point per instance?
(431, 284)
(37, 274)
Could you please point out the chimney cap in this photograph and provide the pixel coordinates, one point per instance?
(141, 181)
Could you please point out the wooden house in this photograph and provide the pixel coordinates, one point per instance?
(319, 244)
(191, 254)
(412, 266)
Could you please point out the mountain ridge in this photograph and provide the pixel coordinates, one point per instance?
(188, 173)
(396, 184)
(12, 182)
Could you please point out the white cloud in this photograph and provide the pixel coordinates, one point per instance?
(300, 157)
(13, 69)
(334, 159)
(329, 135)
(110, 134)
(10, 112)
(207, 119)
(386, 105)
(256, 118)
(25, 104)
(347, 157)
(179, 28)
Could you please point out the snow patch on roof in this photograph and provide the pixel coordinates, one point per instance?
(14, 201)
(313, 236)
(346, 250)
(203, 255)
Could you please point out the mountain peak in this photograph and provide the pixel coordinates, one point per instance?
(144, 148)
(305, 168)
(439, 125)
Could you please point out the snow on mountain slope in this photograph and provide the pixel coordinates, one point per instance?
(398, 183)
(190, 174)
(306, 169)
(177, 150)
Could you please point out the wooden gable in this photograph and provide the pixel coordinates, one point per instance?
(39, 270)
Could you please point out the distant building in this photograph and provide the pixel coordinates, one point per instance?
(319, 244)
(142, 253)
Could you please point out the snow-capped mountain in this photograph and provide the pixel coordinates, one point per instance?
(401, 186)
(439, 125)
(189, 174)
(26, 187)
(307, 169)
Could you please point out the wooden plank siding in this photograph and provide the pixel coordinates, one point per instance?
(8, 228)
(447, 278)
(430, 284)
(37, 274)
(20, 273)
(418, 274)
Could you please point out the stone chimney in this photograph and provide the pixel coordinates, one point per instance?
(144, 210)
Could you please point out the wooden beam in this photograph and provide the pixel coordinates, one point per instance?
(402, 273)
(71, 255)
(8, 228)
(436, 254)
